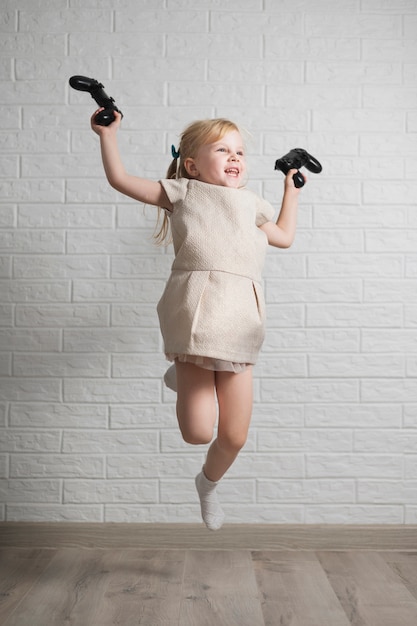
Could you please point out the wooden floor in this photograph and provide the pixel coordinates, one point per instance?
(183, 575)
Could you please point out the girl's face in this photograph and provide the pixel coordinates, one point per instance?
(221, 162)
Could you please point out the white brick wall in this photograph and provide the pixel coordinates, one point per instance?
(87, 431)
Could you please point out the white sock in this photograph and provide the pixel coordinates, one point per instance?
(211, 511)
(170, 378)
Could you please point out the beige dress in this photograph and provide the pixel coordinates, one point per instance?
(213, 304)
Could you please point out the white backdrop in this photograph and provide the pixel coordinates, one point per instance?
(87, 431)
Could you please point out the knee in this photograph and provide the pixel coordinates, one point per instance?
(196, 436)
(232, 442)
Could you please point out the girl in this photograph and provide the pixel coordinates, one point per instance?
(212, 310)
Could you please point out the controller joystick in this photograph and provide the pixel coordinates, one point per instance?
(96, 89)
(294, 159)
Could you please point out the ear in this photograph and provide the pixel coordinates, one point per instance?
(190, 167)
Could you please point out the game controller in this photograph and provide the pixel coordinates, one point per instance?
(96, 89)
(294, 159)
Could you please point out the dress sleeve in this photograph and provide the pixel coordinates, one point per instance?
(264, 212)
(175, 189)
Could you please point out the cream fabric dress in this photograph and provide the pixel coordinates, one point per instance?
(212, 308)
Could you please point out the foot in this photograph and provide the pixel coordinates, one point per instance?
(211, 511)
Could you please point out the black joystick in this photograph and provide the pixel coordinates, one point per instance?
(294, 159)
(96, 89)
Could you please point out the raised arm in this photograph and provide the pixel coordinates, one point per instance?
(141, 189)
(281, 234)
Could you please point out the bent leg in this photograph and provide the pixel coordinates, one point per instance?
(196, 403)
(197, 412)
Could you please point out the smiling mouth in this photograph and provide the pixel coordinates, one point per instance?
(232, 171)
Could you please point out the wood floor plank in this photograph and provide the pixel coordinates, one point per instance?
(145, 589)
(295, 590)
(404, 565)
(20, 568)
(196, 536)
(220, 589)
(69, 591)
(371, 593)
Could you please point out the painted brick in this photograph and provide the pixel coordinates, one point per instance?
(353, 416)
(398, 340)
(110, 340)
(387, 441)
(106, 442)
(311, 491)
(301, 390)
(62, 266)
(32, 390)
(102, 492)
(57, 415)
(111, 391)
(355, 315)
(7, 216)
(388, 389)
(410, 415)
(24, 44)
(317, 290)
(30, 491)
(62, 315)
(138, 366)
(6, 315)
(33, 441)
(54, 513)
(172, 21)
(305, 48)
(134, 315)
(88, 431)
(400, 291)
(306, 439)
(150, 466)
(142, 416)
(126, 44)
(356, 120)
(354, 514)
(3, 466)
(109, 242)
(356, 365)
(213, 45)
(363, 265)
(66, 216)
(64, 21)
(59, 466)
(396, 491)
(316, 340)
(23, 291)
(37, 242)
(354, 465)
(61, 365)
(410, 316)
(19, 340)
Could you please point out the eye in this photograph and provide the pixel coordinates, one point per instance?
(221, 149)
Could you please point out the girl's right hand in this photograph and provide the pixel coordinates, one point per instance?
(101, 130)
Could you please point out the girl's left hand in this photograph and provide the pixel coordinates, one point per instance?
(289, 183)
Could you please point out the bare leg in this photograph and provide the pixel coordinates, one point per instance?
(235, 396)
(196, 411)
(196, 403)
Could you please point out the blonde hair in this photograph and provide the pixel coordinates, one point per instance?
(197, 134)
